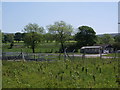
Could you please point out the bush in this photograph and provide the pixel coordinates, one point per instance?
(116, 45)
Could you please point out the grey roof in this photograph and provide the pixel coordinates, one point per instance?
(91, 47)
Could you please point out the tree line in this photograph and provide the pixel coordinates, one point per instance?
(60, 32)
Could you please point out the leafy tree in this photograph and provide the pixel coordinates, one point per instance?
(62, 31)
(49, 37)
(32, 39)
(0, 40)
(33, 28)
(8, 38)
(3, 41)
(107, 39)
(23, 35)
(18, 36)
(116, 44)
(86, 36)
(98, 40)
(5, 38)
(117, 38)
(32, 36)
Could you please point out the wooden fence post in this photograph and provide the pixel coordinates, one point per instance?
(34, 56)
(73, 53)
(22, 55)
(65, 54)
(59, 55)
(115, 53)
(100, 52)
(83, 56)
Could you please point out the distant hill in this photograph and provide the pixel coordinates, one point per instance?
(112, 34)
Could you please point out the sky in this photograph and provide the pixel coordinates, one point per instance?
(101, 16)
(0, 15)
(119, 17)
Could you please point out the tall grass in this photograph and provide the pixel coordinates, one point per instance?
(77, 73)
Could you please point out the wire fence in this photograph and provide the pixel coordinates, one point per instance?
(28, 56)
(50, 56)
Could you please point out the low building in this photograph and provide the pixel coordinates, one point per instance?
(91, 49)
(97, 49)
(109, 48)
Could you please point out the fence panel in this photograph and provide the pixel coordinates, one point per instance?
(28, 56)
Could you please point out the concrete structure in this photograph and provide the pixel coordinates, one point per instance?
(97, 49)
(107, 48)
(91, 49)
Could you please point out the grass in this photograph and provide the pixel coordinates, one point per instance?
(113, 55)
(42, 47)
(77, 73)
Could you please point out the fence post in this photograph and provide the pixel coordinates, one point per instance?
(100, 52)
(83, 56)
(34, 56)
(73, 53)
(59, 55)
(22, 55)
(115, 53)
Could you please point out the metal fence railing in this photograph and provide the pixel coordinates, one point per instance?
(27, 56)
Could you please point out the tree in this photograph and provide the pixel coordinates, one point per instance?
(33, 28)
(98, 40)
(107, 39)
(62, 31)
(8, 38)
(23, 35)
(117, 38)
(3, 41)
(18, 36)
(32, 39)
(49, 37)
(0, 35)
(86, 36)
(32, 36)
(116, 44)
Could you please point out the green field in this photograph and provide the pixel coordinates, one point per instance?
(80, 73)
(71, 73)
(42, 47)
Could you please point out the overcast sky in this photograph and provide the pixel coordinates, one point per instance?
(101, 16)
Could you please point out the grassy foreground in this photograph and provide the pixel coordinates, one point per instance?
(87, 73)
